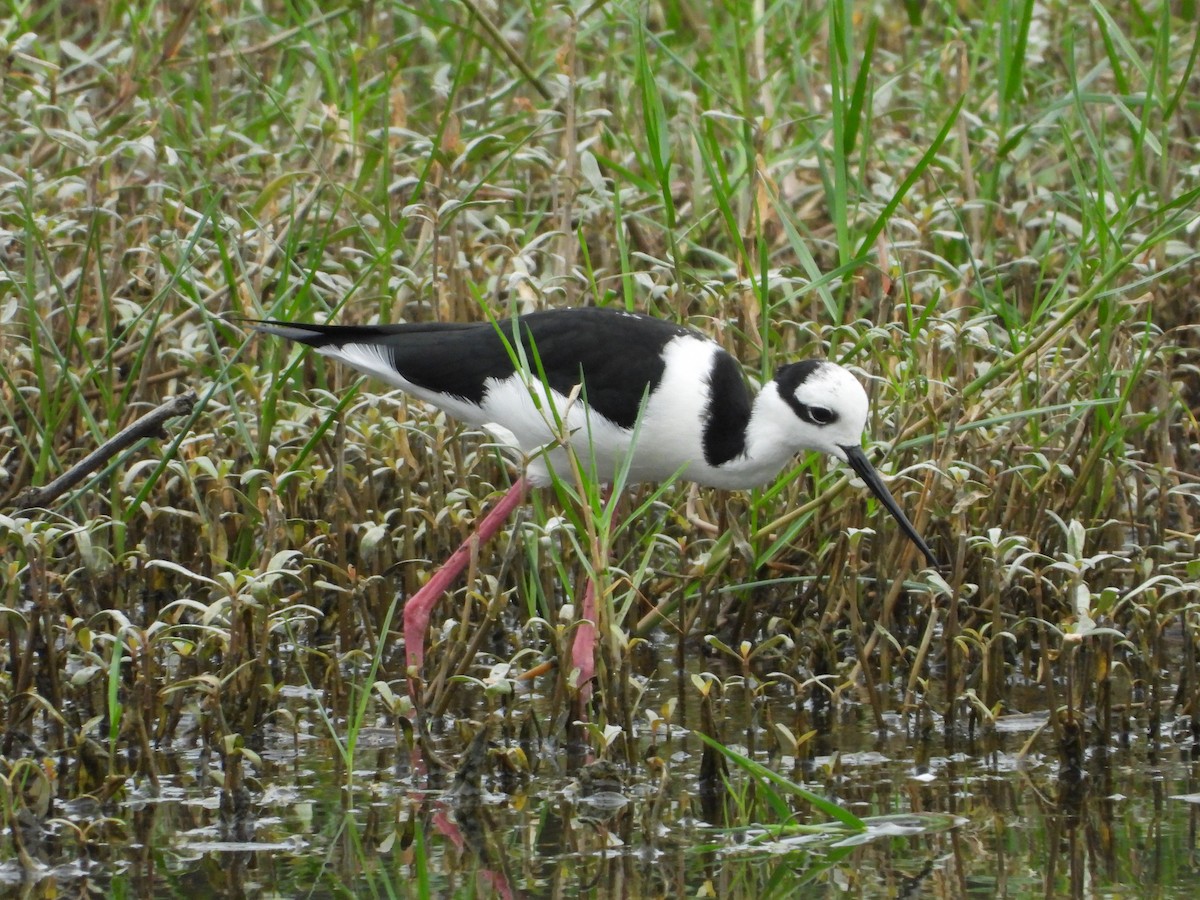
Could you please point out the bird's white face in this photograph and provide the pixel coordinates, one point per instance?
(828, 408)
(831, 406)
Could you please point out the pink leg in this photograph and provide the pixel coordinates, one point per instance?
(583, 648)
(419, 606)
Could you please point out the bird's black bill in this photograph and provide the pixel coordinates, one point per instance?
(862, 466)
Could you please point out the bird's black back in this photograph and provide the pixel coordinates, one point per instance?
(617, 354)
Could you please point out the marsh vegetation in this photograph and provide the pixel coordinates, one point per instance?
(988, 210)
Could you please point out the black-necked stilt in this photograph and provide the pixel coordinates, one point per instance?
(694, 416)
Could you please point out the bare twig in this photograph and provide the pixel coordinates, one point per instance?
(149, 425)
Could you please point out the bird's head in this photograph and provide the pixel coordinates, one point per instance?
(830, 408)
(829, 403)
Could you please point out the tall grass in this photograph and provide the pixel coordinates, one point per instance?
(988, 210)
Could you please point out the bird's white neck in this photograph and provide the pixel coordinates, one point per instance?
(770, 443)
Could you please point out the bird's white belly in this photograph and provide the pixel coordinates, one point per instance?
(540, 421)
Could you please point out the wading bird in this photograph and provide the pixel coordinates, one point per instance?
(661, 399)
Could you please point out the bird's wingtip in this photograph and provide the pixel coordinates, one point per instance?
(288, 330)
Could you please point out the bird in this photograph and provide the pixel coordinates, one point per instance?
(629, 392)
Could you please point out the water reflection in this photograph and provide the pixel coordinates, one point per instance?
(516, 817)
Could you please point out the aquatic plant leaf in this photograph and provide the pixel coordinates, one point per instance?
(761, 772)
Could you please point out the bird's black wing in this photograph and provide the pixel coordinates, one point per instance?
(618, 355)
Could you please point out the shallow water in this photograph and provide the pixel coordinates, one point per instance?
(980, 815)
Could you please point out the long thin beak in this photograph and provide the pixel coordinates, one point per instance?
(860, 464)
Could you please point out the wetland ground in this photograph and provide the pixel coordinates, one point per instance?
(988, 209)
